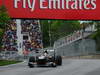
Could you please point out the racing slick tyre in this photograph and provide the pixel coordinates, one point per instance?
(59, 60)
(31, 60)
(30, 65)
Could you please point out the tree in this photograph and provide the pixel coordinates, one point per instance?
(58, 29)
(96, 35)
(4, 20)
(45, 32)
(4, 17)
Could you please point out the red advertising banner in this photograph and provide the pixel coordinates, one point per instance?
(54, 9)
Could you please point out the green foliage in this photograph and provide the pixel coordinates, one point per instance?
(1, 34)
(67, 27)
(96, 35)
(8, 62)
(45, 28)
(58, 29)
(4, 19)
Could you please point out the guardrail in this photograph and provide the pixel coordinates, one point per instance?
(75, 44)
(10, 55)
(75, 36)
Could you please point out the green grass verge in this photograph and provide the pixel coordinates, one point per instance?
(8, 62)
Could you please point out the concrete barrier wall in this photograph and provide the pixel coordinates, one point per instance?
(77, 48)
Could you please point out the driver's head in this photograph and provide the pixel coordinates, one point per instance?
(46, 51)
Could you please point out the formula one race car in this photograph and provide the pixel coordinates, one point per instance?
(45, 60)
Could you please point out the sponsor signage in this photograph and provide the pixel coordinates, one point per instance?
(54, 9)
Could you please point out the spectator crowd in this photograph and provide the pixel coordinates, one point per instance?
(10, 39)
(32, 37)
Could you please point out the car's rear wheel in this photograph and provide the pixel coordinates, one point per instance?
(59, 60)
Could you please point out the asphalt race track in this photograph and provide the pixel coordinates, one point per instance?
(69, 67)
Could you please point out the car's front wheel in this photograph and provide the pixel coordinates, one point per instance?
(30, 65)
(31, 60)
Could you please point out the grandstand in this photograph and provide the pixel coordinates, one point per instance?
(22, 36)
